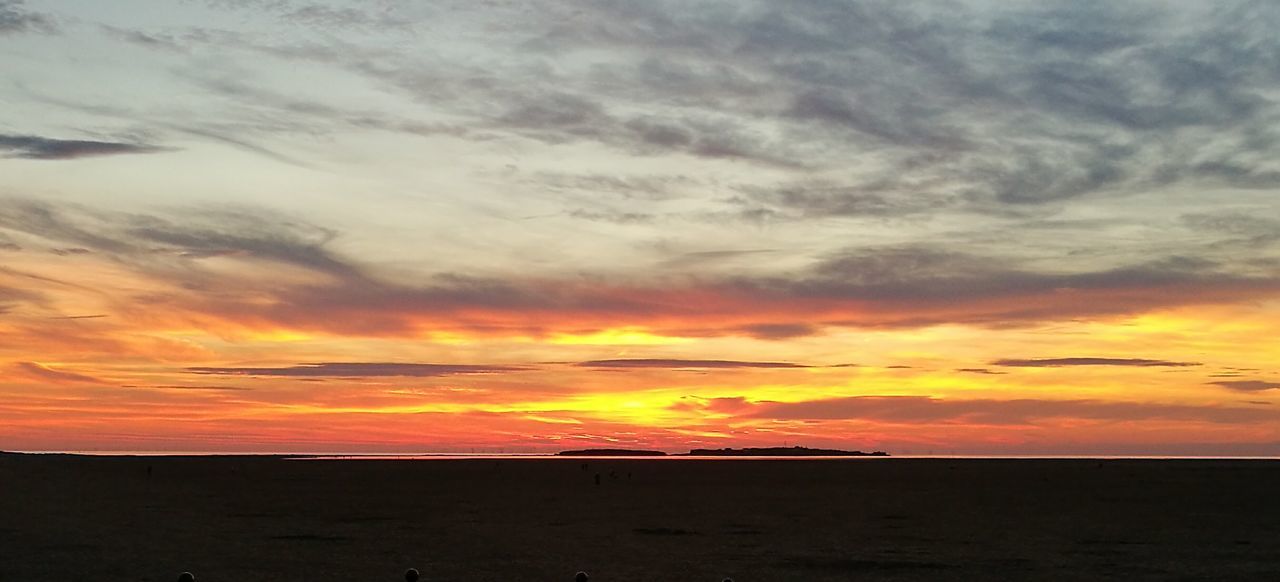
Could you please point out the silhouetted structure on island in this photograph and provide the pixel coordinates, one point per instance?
(782, 452)
(725, 452)
(610, 453)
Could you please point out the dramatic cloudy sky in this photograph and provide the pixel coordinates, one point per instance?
(947, 227)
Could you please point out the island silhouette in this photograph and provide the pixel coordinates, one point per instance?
(796, 451)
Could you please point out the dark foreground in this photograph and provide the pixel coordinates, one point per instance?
(245, 519)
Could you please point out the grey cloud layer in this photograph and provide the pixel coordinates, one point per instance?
(886, 287)
(906, 107)
(15, 18)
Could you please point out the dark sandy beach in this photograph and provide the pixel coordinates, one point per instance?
(247, 519)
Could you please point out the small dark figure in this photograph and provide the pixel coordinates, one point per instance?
(411, 575)
(186, 577)
(597, 479)
(581, 577)
(148, 471)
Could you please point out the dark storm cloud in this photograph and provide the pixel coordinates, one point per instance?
(42, 148)
(358, 369)
(1248, 385)
(15, 18)
(679, 364)
(921, 409)
(1062, 362)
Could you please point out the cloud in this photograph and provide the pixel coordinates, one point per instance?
(14, 19)
(1061, 362)
(1248, 385)
(984, 371)
(190, 387)
(614, 217)
(42, 148)
(679, 364)
(779, 331)
(886, 287)
(921, 409)
(146, 240)
(44, 373)
(357, 369)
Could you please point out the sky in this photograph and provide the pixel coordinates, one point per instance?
(972, 227)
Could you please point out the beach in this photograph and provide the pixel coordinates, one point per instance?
(246, 519)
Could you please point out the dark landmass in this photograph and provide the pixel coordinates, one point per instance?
(610, 453)
(264, 519)
(782, 452)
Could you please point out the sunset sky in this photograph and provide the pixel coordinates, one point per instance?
(978, 227)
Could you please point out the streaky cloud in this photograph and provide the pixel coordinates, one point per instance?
(1248, 385)
(357, 369)
(678, 364)
(44, 148)
(924, 409)
(42, 372)
(1062, 362)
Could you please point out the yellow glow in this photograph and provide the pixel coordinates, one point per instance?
(626, 336)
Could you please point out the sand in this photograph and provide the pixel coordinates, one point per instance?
(250, 519)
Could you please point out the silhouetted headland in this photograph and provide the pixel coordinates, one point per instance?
(782, 452)
(611, 453)
(725, 452)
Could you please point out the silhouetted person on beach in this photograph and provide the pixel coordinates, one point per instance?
(597, 479)
(186, 577)
(411, 575)
(581, 577)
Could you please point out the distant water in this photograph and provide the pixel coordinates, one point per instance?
(552, 456)
(446, 456)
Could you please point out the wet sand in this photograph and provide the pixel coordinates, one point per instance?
(249, 519)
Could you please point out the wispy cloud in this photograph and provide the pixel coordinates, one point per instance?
(1248, 385)
(357, 369)
(679, 364)
(1062, 362)
(43, 148)
(920, 409)
(41, 372)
